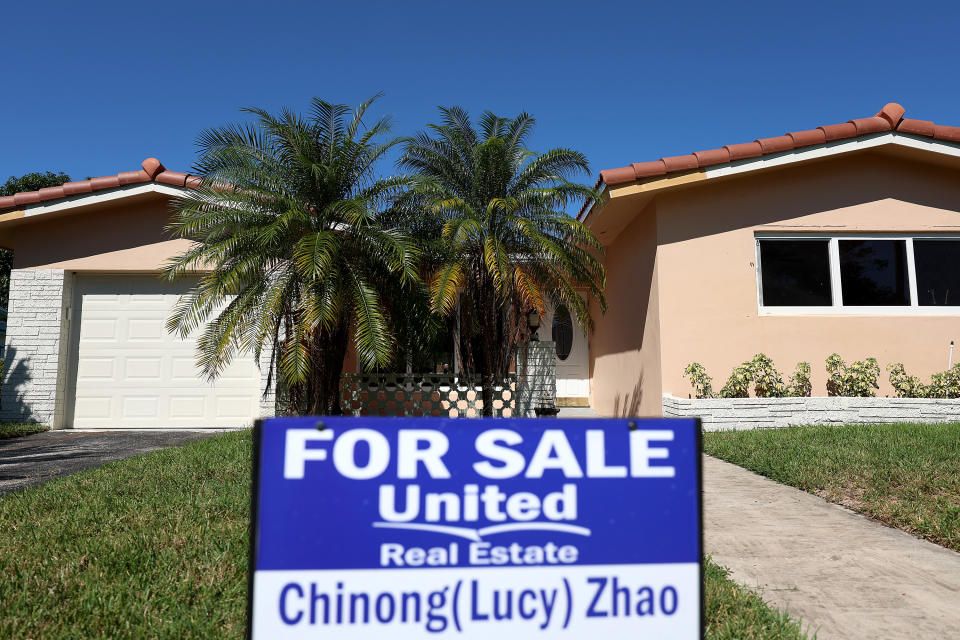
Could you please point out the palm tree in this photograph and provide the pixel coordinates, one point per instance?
(285, 226)
(510, 245)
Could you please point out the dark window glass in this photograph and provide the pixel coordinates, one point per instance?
(562, 332)
(795, 273)
(937, 263)
(874, 273)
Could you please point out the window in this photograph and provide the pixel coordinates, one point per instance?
(867, 274)
(562, 332)
(873, 273)
(938, 272)
(795, 272)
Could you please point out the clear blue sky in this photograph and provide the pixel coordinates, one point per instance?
(92, 88)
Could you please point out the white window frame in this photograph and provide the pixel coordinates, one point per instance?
(833, 251)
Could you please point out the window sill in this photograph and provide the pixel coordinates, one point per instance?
(860, 311)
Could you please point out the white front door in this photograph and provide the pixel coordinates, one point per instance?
(573, 356)
(128, 371)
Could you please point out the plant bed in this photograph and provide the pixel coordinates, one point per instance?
(17, 429)
(717, 414)
(904, 475)
(156, 547)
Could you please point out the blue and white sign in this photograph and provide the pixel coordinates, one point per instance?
(497, 528)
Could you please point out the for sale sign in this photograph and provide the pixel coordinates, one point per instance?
(497, 528)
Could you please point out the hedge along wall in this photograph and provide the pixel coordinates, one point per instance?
(719, 414)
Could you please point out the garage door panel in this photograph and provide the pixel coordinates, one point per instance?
(99, 329)
(229, 407)
(145, 330)
(96, 370)
(140, 406)
(132, 373)
(188, 407)
(95, 407)
(144, 369)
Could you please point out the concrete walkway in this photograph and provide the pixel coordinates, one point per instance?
(844, 575)
(31, 460)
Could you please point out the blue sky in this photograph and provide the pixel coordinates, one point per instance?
(93, 88)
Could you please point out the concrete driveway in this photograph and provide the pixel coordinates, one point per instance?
(31, 460)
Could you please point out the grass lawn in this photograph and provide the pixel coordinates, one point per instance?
(156, 547)
(733, 612)
(15, 429)
(904, 475)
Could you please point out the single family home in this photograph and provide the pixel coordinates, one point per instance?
(843, 238)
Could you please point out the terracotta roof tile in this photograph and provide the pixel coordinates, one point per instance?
(152, 170)
(152, 166)
(680, 163)
(744, 150)
(866, 126)
(890, 118)
(73, 188)
(711, 157)
(29, 197)
(807, 138)
(175, 178)
(618, 175)
(646, 169)
(50, 193)
(839, 131)
(892, 113)
(943, 132)
(917, 127)
(776, 145)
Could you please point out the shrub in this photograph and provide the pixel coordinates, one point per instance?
(738, 384)
(836, 368)
(862, 378)
(945, 384)
(768, 383)
(702, 383)
(905, 386)
(859, 380)
(799, 385)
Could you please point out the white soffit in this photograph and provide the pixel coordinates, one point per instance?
(832, 149)
(102, 196)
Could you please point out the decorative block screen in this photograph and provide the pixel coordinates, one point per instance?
(421, 394)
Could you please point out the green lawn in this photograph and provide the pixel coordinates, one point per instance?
(16, 429)
(735, 613)
(904, 475)
(156, 547)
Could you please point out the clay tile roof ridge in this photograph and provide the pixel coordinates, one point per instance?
(151, 170)
(889, 118)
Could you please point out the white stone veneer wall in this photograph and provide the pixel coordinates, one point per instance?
(36, 347)
(268, 393)
(752, 413)
(536, 376)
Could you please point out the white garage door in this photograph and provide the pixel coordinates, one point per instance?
(130, 372)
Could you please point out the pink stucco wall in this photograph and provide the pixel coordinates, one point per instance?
(704, 283)
(625, 344)
(125, 236)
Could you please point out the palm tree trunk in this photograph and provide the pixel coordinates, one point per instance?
(329, 350)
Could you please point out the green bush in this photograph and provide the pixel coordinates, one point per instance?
(859, 380)
(799, 385)
(702, 383)
(943, 384)
(905, 386)
(760, 372)
(738, 384)
(767, 381)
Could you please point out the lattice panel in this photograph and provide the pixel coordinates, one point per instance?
(390, 394)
